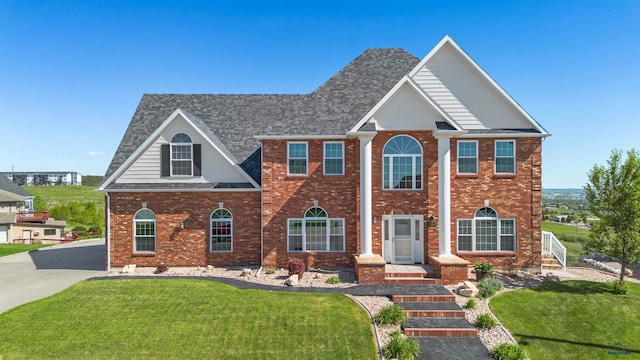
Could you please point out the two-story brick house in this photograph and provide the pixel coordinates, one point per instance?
(393, 160)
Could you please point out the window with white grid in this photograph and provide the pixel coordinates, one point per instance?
(486, 232)
(315, 232)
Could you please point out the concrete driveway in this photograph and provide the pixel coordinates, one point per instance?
(34, 275)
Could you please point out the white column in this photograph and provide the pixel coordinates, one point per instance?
(366, 248)
(444, 197)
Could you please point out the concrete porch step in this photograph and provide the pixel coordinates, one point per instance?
(432, 309)
(439, 327)
(423, 298)
(411, 281)
(552, 266)
(549, 261)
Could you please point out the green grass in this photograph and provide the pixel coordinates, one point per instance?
(57, 195)
(185, 319)
(9, 249)
(561, 229)
(572, 319)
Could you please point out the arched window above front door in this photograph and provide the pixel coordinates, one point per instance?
(402, 164)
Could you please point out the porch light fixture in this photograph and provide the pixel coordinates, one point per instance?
(181, 224)
(375, 219)
(432, 222)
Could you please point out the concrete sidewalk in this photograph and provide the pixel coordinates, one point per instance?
(30, 276)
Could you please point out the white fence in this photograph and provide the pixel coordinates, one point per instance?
(551, 245)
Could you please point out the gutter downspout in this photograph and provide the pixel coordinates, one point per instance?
(108, 240)
(261, 210)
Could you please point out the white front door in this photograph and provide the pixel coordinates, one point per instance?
(402, 239)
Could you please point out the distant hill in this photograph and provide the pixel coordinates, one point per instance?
(576, 194)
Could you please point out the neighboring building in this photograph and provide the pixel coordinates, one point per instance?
(392, 160)
(19, 223)
(35, 178)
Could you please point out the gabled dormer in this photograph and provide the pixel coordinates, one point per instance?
(181, 154)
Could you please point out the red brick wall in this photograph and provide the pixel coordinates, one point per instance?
(416, 202)
(188, 246)
(516, 196)
(289, 196)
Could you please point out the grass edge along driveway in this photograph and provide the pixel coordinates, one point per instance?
(185, 319)
(572, 320)
(10, 249)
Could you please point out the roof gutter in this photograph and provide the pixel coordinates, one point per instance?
(108, 239)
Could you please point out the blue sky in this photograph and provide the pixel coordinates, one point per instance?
(72, 72)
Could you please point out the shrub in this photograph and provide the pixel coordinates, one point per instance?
(401, 347)
(392, 314)
(269, 271)
(620, 287)
(484, 267)
(79, 229)
(471, 304)
(333, 280)
(95, 229)
(506, 351)
(485, 321)
(160, 269)
(296, 266)
(488, 287)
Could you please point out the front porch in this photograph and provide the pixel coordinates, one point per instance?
(374, 270)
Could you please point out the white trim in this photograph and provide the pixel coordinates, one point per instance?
(458, 142)
(396, 88)
(299, 137)
(366, 239)
(108, 231)
(448, 40)
(176, 190)
(156, 134)
(495, 157)
(171, 159)
(444, 197)
(306, 149)
(503, 135)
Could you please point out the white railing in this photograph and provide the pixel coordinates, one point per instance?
(551, 245)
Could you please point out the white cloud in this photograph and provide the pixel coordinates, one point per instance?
(95, 153)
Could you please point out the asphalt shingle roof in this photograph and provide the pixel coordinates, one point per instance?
(332, 109)
(10, 186)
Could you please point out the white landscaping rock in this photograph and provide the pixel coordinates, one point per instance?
(246, 273)
(292, 280)
(129, 269)
(468, 289)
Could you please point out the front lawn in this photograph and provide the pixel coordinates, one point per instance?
(572, 320)
(185, 319)
(8, 249)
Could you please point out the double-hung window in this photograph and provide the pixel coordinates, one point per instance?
(468, 157)
(297, 158)
(181, 155)
(402, 164)
(144, 223)
(316, 232)
(505, 156)
(333, 158)
(486, 232)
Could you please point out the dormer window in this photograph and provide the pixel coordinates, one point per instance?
(181, 157)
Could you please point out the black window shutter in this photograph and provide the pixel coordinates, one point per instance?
(165, 157)
(197, 160)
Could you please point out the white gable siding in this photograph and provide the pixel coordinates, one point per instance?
(147, 168)
(405, 110)
(465, 95)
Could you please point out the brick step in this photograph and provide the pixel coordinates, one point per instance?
(419, 275)
(411, 281)
(432, 309)
(423, 298)
(439, 327)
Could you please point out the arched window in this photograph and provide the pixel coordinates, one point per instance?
(486, 232)
(181, 155)
(145, 231)
(402, 163)
(221, 231)
(316, 232)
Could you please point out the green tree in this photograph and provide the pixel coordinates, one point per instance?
(39, 203)
(613, 194)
